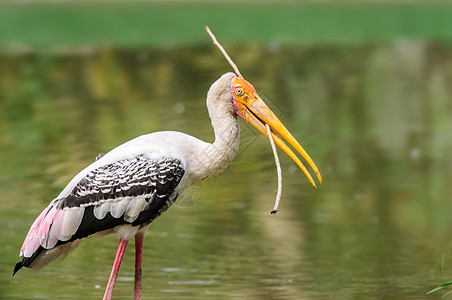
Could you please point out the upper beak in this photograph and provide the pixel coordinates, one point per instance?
(258, 114)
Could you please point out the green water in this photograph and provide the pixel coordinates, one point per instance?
(376, 119)
(374, 111)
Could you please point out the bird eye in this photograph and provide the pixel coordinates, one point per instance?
(239, 92)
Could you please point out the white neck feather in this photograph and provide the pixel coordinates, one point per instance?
(218, 155)
(226, 144)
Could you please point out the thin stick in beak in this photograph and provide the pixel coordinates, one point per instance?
(278, 171)
(264, 113)
(251, 118)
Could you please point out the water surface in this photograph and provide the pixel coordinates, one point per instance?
(377, 120)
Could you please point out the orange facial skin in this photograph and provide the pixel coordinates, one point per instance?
(249, 106)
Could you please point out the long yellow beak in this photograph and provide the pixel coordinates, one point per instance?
(254, 110)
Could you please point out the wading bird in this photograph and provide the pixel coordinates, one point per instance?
(124, 190)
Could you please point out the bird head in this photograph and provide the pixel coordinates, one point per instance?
(248, 105)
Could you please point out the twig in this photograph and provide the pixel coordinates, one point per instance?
(278, 170)
(214, 39)
(278, 166)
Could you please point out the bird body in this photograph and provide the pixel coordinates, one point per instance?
(124, 190)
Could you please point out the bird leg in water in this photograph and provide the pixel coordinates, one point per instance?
(138, 259)
(114, 271)
(278, 170)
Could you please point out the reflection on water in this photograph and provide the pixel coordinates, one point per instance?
(377, 121)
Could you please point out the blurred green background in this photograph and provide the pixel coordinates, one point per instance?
(41, 25)
(365, 87)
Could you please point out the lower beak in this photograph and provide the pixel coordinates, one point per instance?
(258, 114)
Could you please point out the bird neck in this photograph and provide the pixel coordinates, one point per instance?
(219, 154)
(227, 136)
(215, 157)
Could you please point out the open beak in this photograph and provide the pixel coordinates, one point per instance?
(254, 110)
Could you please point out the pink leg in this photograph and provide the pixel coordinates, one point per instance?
(138, 260)
(114, 271)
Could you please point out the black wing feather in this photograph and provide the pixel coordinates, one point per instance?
(154, 179)
(138, 176)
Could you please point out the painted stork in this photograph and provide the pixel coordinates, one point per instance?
(124, 190)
